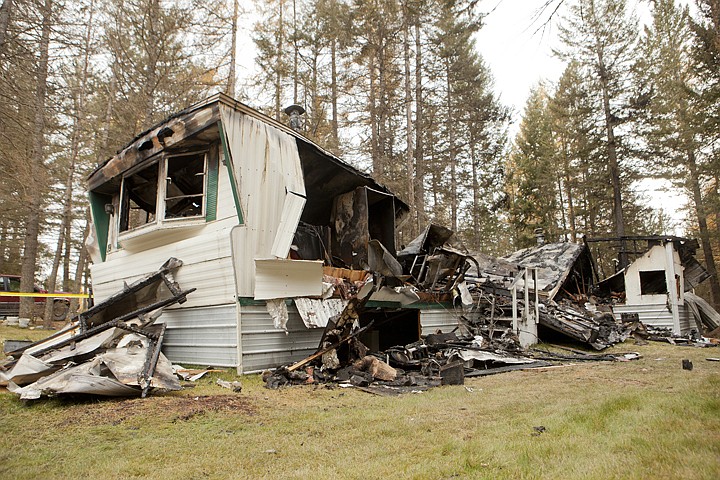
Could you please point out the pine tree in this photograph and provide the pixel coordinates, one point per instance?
(601, 37)
(677, 128)
(532, 172)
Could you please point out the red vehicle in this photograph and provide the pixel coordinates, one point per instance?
(10, 305)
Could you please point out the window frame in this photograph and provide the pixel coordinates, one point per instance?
(124, 203)
(163, 195)
(161, 163)
(653, 278)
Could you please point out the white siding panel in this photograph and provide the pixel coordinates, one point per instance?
(282, 278)
(657, 315)
(266, 165)
(289, 220)
(201, 336)
(225, 201)
(207, 266)
(263, 346)
(444, 319)
(242, 240)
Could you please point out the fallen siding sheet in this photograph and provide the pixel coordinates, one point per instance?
(114, 349)
(282, 278)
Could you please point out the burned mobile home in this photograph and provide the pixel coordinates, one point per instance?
(266, 224)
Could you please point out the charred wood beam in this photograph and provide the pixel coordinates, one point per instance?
(320, 353)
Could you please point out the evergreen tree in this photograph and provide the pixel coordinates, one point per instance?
(532, 173)
(600, 36)
(678, 130)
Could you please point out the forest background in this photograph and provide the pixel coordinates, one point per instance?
(395, 87)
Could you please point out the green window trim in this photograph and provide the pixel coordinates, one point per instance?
(211, 186)
(101, 219)
(229, 167)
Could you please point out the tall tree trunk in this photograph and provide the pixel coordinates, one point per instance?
(81, 265)
(409, 150)
(32, 226)
(3, 243)
(5, 13)
(563, 214)
(571, 207)
(108, 121)
(373, 111)
(419, 153)
(382, 104)
(233, 48)
(611, 147)
(64, 235)
(451, 152)
(296, 53)
(278, 67)
(334, 93)
(694, 181)
(475, 187)
(68, 250)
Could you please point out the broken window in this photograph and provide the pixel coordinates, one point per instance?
(185, 185)
(139, 198)
(652, 282)
(182, 195)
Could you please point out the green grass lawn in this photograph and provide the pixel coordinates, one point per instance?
(641, 419)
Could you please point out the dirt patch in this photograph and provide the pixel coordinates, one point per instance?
(170, 408)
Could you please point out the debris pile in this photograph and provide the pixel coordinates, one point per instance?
(563, 279)
(112, 349)
(435, 359)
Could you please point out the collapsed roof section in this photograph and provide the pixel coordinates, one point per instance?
(561, 267)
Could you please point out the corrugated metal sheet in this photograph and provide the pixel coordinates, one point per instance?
(282, 278)
(202, 336)
(265, 347)
(432, 320)
(657, 315)
(316, 312)
(266, 165)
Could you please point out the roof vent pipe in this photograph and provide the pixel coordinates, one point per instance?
(294, 112)
(539, 236)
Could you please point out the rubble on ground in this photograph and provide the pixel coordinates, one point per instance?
(112, 349)
(434, 360)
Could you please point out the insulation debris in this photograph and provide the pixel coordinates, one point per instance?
(112, 349)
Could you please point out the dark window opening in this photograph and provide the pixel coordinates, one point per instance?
(652, 282)
(185, 186)
(391, 328)
(139, 202)
(311, 242)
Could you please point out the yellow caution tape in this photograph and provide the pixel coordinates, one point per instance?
(44, 295)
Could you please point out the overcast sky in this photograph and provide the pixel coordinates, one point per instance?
(518, 55)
